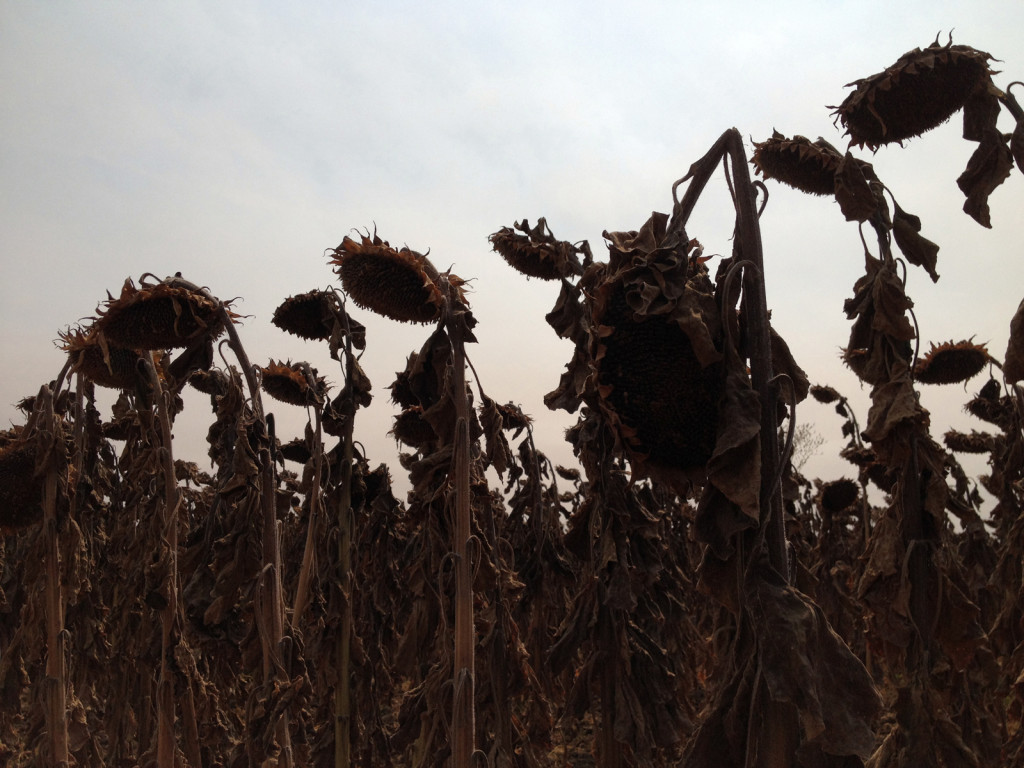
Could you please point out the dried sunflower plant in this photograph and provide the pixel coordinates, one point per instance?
(682, 597)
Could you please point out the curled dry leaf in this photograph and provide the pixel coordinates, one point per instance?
(853, 189)
(20, 489)
(922, 90)
(1013, 362)
(988, 167)
(1017, 145)
(919, 251)
(536, 252)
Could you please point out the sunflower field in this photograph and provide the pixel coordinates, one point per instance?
(681, 596)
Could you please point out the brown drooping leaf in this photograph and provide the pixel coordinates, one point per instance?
(924, 734)
(498, 454)
(806, 663)
(536, 252)
(981, 110)
(892, 404)
(919, 251)
(21, 491)
(735, 465)
(1013, 362)
(783, 362)
(399, 284)
(922, 90)
(881, 331)
(853, 190)
(988, 167)
(795, 694)
(1017, 145)
(952, 363)
(809, 167)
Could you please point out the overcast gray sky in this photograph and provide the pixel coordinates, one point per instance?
(235, 142)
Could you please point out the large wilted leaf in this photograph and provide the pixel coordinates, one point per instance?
(906, 230)
(1013, 364)
(989, 166)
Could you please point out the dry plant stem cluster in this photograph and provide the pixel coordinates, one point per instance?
(683, 597)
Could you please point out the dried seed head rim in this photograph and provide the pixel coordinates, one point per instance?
(952, 362)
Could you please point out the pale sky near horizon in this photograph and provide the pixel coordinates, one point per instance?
(235, 142)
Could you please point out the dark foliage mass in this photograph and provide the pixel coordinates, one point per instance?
(684, 596)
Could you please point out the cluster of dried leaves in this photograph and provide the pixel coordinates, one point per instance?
(684, 597)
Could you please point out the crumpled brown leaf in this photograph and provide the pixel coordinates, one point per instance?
(853, 191)
(906, 230)
(1013, 363)
(989, 166)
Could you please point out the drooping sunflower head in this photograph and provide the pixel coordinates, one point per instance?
(159, 315)
(839, 494)
(535, 252)
(307, 315)
(922, 90)
(809, 167)
(656, 350)
(291, 384)
(399, 284)
(952, 362)
(99, 361)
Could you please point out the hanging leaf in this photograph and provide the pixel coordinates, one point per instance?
(989, 166)
(853, 192)
(1017, 145)
(1013, 363)
(980, 112)
(918, 250)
